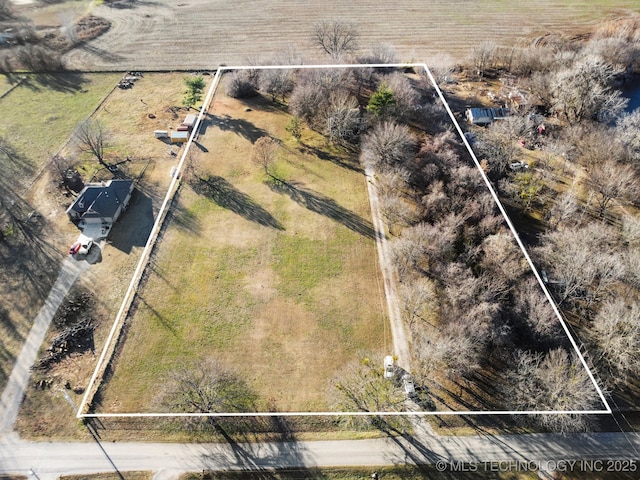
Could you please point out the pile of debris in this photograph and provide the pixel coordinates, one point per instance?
(129, 79)
(77, 338)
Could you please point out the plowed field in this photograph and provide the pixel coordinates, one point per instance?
(198, 34)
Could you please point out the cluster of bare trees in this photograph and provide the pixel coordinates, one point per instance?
(555, 381)
(589, 249)
(468, 296)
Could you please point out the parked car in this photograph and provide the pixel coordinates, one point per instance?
(409, 387)
(81, 247)
(388, 367)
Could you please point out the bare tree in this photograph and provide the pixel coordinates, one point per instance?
(556, 381)
(404, 95)
(502, 257)
(498, 148)
(380, 53)
(312, 91)
(279, 82)
(423, 246)
(616, 332)
(397, 212)
(632, 266)
(276, 82)
(207, 387)
(240, 84)
(582, 262)
(435, 202)
(631, 230)
(336, 38)
(613, 181)
(306, 101)
(483, 56)
(419, 301)
(442, 66)
(91, 137)
(628, 131)
(342, 117)
(388, 144)
(454, 350)
(361, 387)
(67, 175)
(594, 144)
(583, 91)
(264, 153)
(564, 209)
(535, 313)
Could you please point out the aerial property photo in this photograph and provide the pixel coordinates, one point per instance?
(387, 241)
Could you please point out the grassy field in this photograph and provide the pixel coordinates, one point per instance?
(125, 114)
(38, 116)
(277, 276)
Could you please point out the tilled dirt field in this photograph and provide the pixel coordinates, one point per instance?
(200, 34)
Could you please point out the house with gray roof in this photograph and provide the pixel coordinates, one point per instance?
(100, 204)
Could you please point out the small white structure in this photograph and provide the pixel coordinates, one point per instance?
(190, 120)
(179, 137)
(160, 133)
(389, 369)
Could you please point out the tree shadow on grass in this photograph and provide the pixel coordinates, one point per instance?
(227, 196)
(71, 82)
(347, 163)
(240, 126)
(318, 203)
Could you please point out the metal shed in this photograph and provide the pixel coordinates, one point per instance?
(179, 137)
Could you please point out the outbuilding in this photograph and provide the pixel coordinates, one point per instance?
(179, 137)
(485, 116)
(190, 120)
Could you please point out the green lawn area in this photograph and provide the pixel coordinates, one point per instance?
(276, 277)
(40, 114)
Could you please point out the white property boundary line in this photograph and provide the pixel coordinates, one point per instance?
(146, 252)
(160, 219)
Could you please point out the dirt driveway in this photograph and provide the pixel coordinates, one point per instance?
(199, 34)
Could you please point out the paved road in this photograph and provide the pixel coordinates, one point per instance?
(14, 391)
(50, 460)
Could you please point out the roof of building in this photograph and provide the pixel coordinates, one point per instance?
(102, 199)
(486, 113)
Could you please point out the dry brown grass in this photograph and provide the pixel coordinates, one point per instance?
(284, 292)
(125, 116)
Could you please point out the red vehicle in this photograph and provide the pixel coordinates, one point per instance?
(81, 246)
